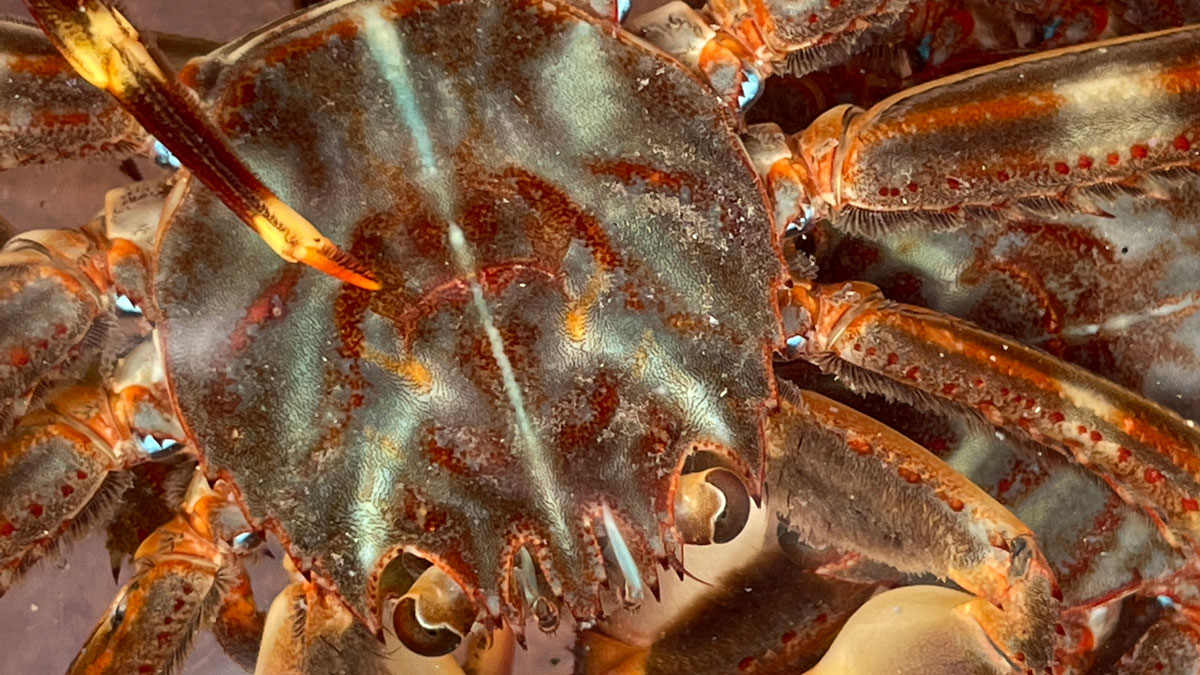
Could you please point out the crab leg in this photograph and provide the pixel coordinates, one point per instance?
(1148, 454)
(991, 144)
(824, 455)
(309, 630)
(60, 468)
(47, 114)
(106, 51)
(57, 474)
(184, 571)
(53, 307)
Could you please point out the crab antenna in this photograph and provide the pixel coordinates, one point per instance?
(105, 50)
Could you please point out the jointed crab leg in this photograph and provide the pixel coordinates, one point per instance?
(184, 571)
(105, 49)
(49, 116)
(825, 456)
(1148, 454)
(1052, 133)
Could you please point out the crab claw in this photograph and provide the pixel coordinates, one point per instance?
(711, 506)
(916, 629)
(435, 614)
(102, 46)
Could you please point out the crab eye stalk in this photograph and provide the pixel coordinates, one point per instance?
(711, 506)
(106, 51)
(434, 616)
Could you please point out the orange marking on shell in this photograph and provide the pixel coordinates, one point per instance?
(40, 67)
(1190, 504)
(1153, 475)
(911, 477)
(19, 356)
(1139, 152)
(345, 30)
(858, 445)
(1114, 159)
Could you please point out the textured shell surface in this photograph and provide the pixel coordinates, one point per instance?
(578, 273)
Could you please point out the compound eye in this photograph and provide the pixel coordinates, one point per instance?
(434, 616)
(711, 506)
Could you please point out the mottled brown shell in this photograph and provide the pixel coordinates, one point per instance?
(578, 268)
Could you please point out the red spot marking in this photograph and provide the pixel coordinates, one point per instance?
(1061, 167)
(1085, 162)
(895, 192)
(821, 619)
(871, 351)
(6, 529)
(1057, 417)
(1059, 629)
(956, 505)
(146, 668)
(813, 18)
(1123, 454)
(893, 359)
(1004, 485)
(434, 521)
(746, 663)
(1003, 176)
(1096, 436)
(859, 446)
(1190, 504)
(163, 636)
(1081, 430)
(883, 192)
(912, 373)
(36, 510)
(1114, 159)
(1056, 593)
(187, 589)
(913, 187)
(977, 383)
(949, 388)
(1021, 657)
(19, 356)
(1030, 403)
(81, 475)
(788, 637)
(68, 490)
(938, 446)
(911, 477)
(1139, 152)
(168, 621)
(60, 330)
(1158, 665)
(858, 346)
(953, 183)
(1153, 476)
(178, 606)
(1182, 144)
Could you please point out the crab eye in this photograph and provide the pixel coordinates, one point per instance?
(434, 616)
(711, 506)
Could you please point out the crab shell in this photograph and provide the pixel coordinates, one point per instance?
(579, 272)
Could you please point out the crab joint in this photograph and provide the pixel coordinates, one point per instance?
(711, 507)
(434, 615)
(106, 51)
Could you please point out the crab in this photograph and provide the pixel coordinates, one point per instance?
(550, 288)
